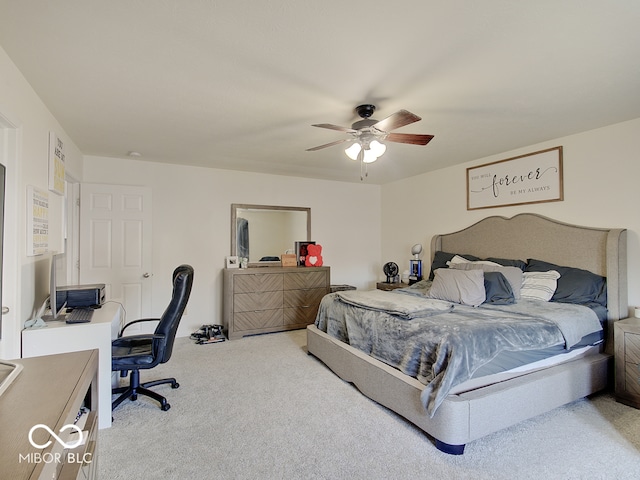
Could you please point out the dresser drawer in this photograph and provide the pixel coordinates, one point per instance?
(310, 279)
(304, 298)
(257, 320)
(300, 315)
(260, 282)
(249, 302)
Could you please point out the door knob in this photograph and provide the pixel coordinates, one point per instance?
(5, 310)
(147, 275)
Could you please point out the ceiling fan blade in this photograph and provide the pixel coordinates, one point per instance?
(334, 127)
(411, 138)
(327, 145)
(397, 120)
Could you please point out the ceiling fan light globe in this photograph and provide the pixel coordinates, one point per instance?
(377, 148)
(353, 151)
(369, 156)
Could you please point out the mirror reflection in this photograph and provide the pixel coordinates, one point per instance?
(262, 233)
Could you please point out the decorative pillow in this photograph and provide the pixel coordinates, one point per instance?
(458, 286)
(539, 285)
(497, 289)
(512, 274)
(440, 260)
(575, 284)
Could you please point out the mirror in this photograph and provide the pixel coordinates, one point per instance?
(263, 233)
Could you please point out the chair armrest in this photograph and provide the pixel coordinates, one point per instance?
(140, 336)
(137, 321)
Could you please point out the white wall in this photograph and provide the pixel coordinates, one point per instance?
(28, 165)
(601, 189)
(192, 224)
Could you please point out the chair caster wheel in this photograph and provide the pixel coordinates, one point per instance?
(175, 385)
(165, 407)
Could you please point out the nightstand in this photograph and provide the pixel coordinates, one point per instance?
(390, 286)
(627, 359)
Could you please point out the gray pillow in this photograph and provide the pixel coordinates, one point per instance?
(512, 274)
(458, 286)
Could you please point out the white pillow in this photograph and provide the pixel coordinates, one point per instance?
(458, 259)
(458, 286)
(539, 285)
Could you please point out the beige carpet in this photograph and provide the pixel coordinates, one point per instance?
(261, 408)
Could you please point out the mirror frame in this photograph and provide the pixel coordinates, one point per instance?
(234, 211)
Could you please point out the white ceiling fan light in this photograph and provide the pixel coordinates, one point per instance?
(369, 156)
(377, 148)
(353, 151)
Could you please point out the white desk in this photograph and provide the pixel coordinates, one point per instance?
(61, 337)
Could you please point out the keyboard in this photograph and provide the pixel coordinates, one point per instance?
(80, 315)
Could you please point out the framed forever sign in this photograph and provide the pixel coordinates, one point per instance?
(532, 178)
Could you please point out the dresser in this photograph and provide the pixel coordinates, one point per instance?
(272, 299)
(627, 355)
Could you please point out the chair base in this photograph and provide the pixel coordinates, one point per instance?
(136, 388)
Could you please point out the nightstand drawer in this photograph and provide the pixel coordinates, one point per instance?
(626, 334)
(632, 379)
(632, 348)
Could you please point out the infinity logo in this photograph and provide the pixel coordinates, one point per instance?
(58, 439)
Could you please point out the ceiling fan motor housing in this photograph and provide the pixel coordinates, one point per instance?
(366, 110)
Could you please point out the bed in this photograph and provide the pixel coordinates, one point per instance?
(467, 411)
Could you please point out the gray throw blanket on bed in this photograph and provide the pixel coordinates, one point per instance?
(382, 301)
(443, 349)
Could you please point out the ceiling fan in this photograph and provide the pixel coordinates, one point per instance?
(367, 135)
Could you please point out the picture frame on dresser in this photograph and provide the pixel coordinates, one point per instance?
(301, 251)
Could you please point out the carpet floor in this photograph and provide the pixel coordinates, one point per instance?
(261, 407)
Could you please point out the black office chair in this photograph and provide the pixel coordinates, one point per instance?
(143, 351)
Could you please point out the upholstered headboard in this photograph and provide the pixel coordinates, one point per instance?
(527, 235)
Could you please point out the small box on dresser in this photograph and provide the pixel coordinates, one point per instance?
(627, 360)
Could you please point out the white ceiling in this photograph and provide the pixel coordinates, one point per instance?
(237, 84)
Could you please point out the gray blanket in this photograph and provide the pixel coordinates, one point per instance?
(444, 349)
(381, 301)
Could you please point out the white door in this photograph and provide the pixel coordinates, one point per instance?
(115, 245)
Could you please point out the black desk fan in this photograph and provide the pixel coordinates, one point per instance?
(391, 270)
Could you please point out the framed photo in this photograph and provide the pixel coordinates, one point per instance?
(301, 251)
(532, 178)
(233, 262)
(56, 164)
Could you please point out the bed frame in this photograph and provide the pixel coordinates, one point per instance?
(467, 416)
